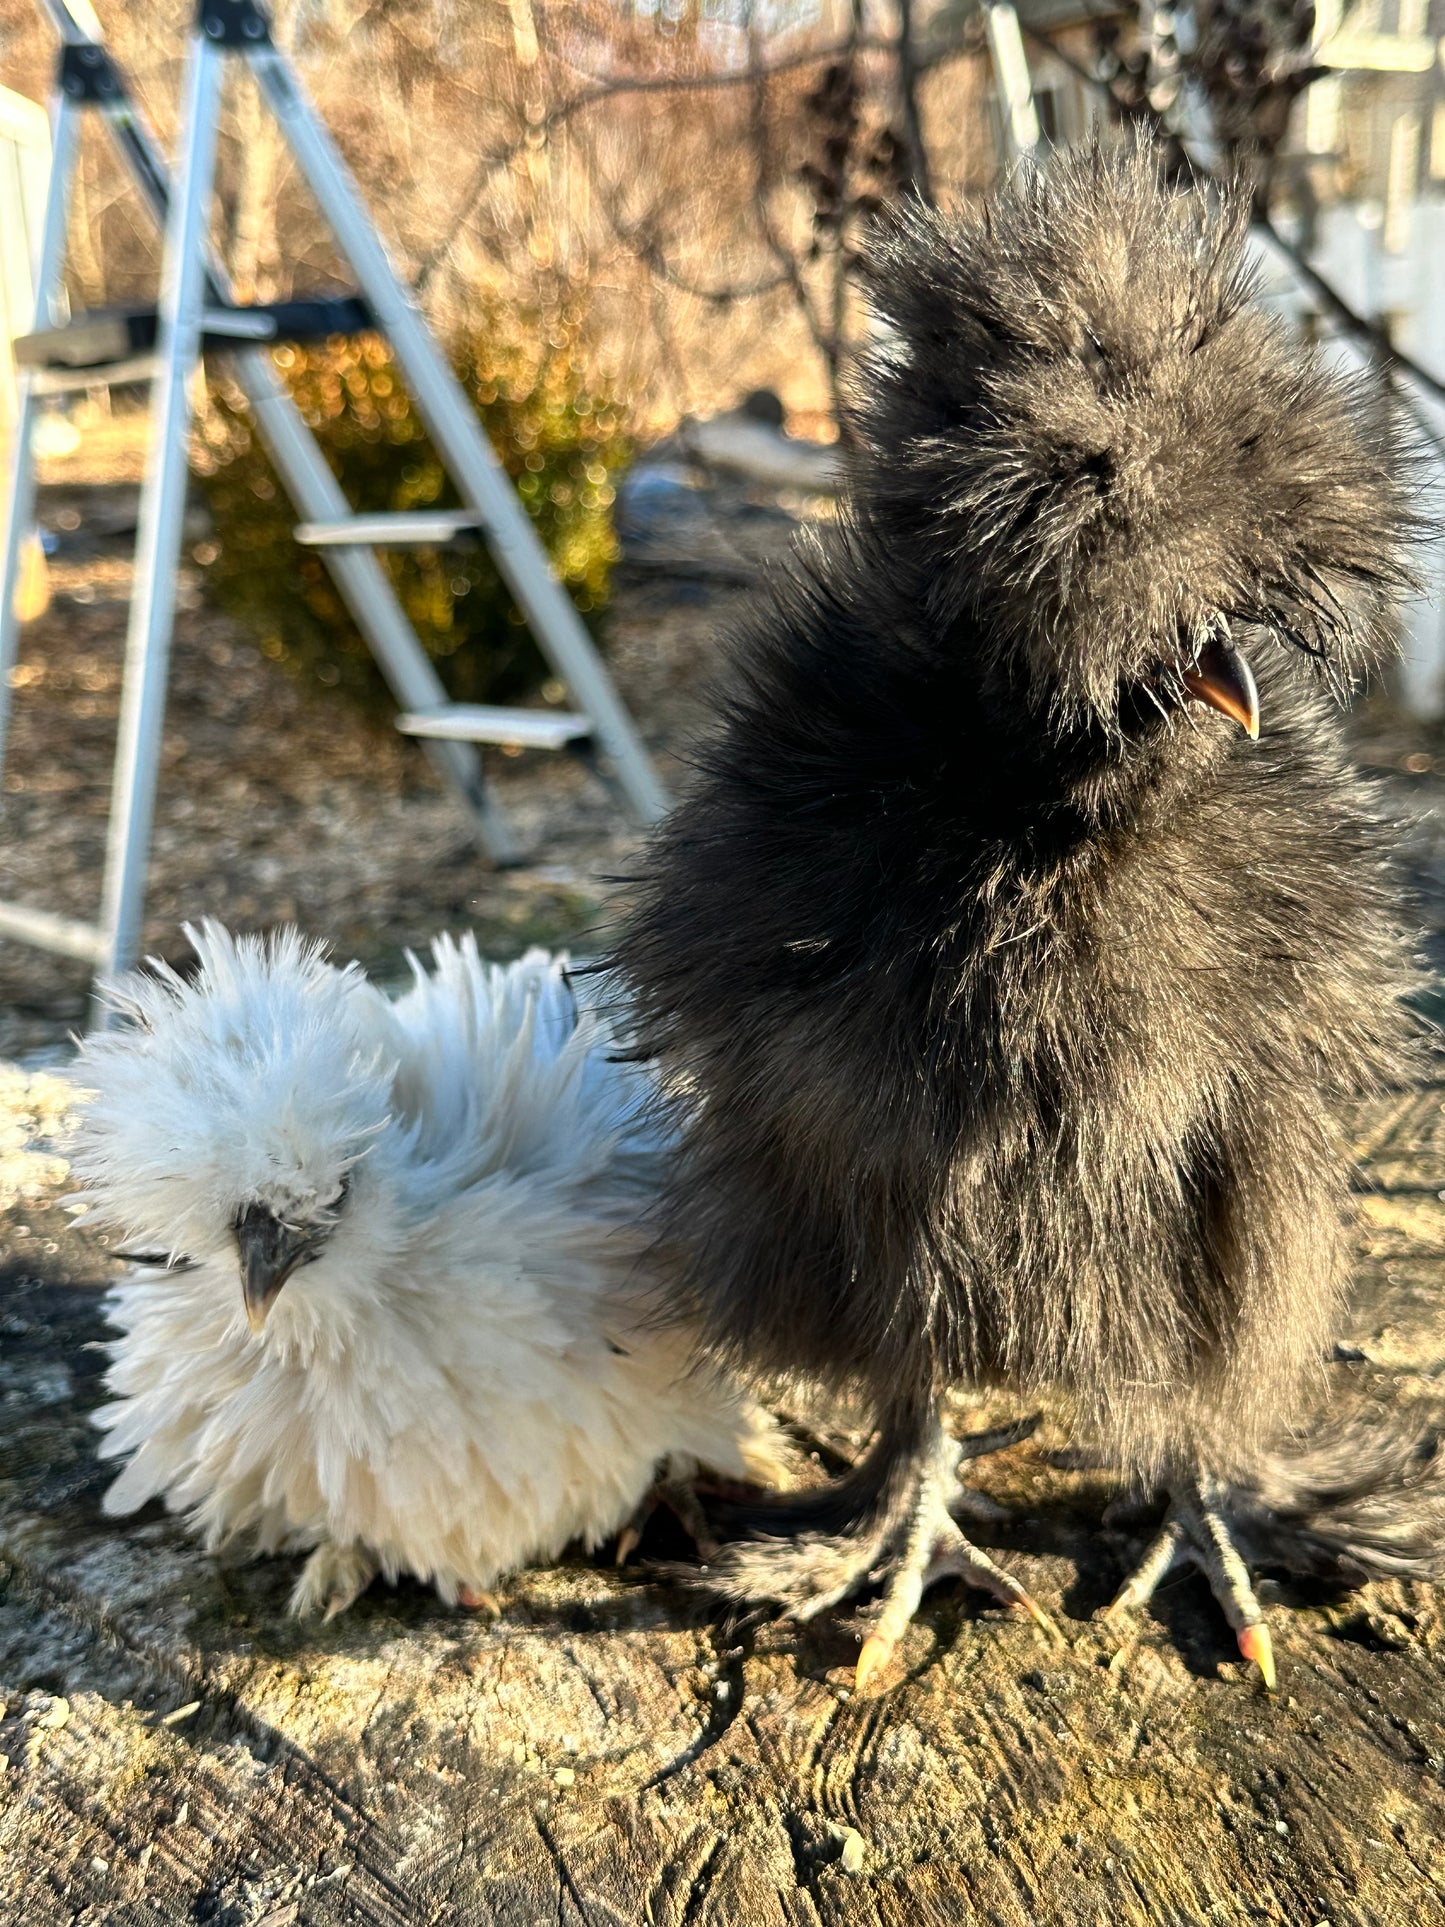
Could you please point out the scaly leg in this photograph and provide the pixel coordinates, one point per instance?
(931, 1547)
(1198, 1530)
(892, 1520)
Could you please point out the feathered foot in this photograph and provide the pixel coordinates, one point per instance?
(333, 1578)
(931, 1547)
(1200, 1529)
(1364, 1499)
(891, 1518)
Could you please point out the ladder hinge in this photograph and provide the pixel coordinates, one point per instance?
(234, 23)
(89, 75)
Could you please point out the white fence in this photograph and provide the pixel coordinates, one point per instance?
(24, 168)
(1405, 286)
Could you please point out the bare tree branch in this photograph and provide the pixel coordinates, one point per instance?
(824, 340)
(641, 239)
(1371, 335)
(616, 89)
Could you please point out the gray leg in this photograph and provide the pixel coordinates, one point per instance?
(680, 1498)
(1198, 1531)
(931, 1547)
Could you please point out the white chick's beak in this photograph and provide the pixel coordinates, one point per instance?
(270, 1251)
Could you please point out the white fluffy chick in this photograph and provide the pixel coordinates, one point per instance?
(408, 1317)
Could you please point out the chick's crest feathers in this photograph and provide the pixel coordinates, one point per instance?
(264, 1072)
(1088, 433)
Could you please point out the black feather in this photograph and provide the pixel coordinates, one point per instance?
(1015, 1004)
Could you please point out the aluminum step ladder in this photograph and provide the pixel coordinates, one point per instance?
(196, 308)
(1013, 83)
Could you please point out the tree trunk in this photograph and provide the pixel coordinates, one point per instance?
(604, 1756)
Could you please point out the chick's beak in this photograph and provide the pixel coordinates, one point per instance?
(1222, 679)
(270, 1252)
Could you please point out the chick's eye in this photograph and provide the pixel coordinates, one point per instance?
(336, 1197)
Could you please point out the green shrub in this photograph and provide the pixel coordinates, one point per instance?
(560, 438)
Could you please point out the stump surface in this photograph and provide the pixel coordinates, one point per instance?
(176, 1750)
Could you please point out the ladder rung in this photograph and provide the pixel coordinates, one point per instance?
(481, 723)
(88, 341)
(67, 936)
(114, 334)
(433, 528)
(110, 374)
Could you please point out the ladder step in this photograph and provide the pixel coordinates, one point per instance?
(108, 335)
(481, 723)
(426, 528)
(66, 936)
(88, 341)
(110, 374)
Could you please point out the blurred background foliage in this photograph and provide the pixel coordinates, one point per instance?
(693, 183)
(560, 435)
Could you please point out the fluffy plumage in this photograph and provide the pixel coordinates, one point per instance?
(1014, 997)
(454, 1374)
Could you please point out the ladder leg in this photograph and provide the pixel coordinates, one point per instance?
(460, 439)
(20, 503)
(162, 513)
(1011, 76)
(316, 494)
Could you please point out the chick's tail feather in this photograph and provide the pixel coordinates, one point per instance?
(805, 1548)
(1365, 1500)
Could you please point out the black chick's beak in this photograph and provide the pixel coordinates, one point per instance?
(1222, 678)
(270, 1252)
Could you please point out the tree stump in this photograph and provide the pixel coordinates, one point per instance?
(606, 1755)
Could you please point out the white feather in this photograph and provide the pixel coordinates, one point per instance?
(468, 1377)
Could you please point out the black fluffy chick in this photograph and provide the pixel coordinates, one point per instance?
(1017, 997)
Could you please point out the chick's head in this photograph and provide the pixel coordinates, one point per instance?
(1121, 475)
(234, 1114)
